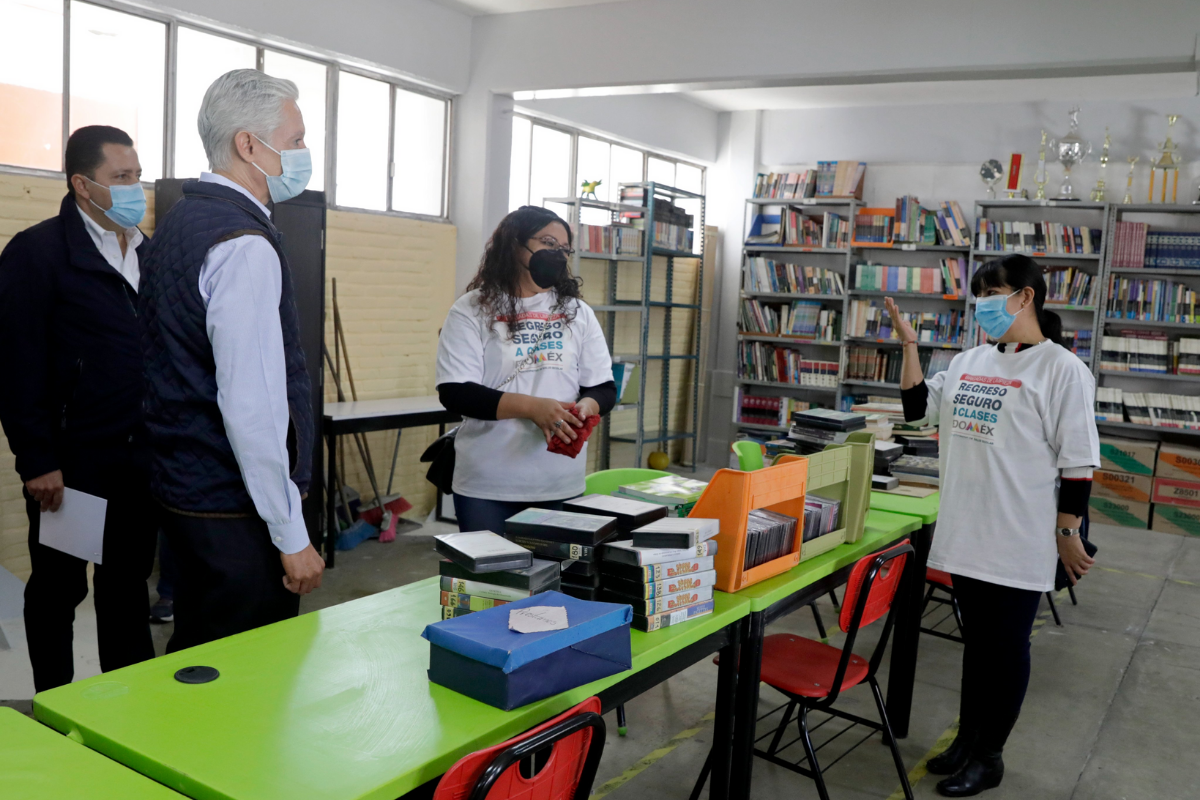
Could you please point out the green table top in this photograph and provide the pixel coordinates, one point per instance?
(332, 704)
(36, 763)
(881, 528)
(924, 507)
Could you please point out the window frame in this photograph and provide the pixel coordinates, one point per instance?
(334, 64)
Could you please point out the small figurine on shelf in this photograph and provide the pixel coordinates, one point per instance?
(1039, 176)
(589, 189)
(1128, 199)
(1098, 192)
(1168, 161)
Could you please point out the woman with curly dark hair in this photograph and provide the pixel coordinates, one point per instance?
(522, 358)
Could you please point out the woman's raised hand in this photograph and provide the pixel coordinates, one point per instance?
(899, 324)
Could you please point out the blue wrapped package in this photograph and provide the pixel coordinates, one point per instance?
(477, 655)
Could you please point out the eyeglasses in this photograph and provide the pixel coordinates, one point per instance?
(552, 244)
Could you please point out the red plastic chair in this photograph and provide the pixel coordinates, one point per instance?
(941, 592)
(521, 769)
(813, 675)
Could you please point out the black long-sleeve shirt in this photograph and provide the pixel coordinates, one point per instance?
(477, 401)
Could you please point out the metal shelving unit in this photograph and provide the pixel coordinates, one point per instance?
(662, 433)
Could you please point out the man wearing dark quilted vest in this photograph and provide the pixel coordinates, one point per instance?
(227, 393)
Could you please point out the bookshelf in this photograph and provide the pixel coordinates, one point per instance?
(656, 294)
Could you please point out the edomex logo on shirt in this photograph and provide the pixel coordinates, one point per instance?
(979, 407)
(534, 347)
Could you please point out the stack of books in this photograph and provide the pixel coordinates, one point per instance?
(1035, 237)
(761, 410)
(1110, 404)
(917, 443)
(759, 361)
(840, 178)
(1187, 357)
(566, 537)
(818, 427)
(482, 570)
(803, 318)
(1137, 351)
(883, 366)
(1162, 410)
(915, 224)
(919, 470)
(770, 535)
(886, 454)
(675, 492)
(768, 275)
(1078, 342)
(947, 279)
(866, 319)
(615, 239)
(1071, 286)
(665, 586)
(785, 185)
(672, 226)
(873, 225)
(1152, 300)
(1129, 245)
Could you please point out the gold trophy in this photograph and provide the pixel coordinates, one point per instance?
(1168, 161)
(1098, 192)
(1128, 199)
(1039, 175)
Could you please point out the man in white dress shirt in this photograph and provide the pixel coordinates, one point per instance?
(71, 401)
(228, 403)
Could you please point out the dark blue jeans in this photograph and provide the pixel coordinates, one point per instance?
(475, 514)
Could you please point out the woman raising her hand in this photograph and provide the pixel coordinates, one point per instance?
(1018, 443)
(522, 358)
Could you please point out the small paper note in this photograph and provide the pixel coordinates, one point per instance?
(77, 528)
(535, 619)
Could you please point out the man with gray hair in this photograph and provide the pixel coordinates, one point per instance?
(228, 404)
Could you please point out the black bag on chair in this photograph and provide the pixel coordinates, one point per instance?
(441, 453)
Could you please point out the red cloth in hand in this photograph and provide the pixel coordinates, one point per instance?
(572, 449)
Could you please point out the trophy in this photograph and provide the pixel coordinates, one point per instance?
(1039, 175)
(1069, 150)
(991, 172)
(1128, 199)
(1168, 161)
(1098, 192)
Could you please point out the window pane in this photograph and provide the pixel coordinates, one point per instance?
(689, 178)
(592, 157)
(419, 153)
(627, 165)
(518, 165)
(551, 172)
(118, 67)
(362, 142)
(660, 171)
(310, 78)
(31, 78)
(202, 58)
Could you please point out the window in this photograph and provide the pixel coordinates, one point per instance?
(31, 83)
(310, 78)
(362, 142)
(550, 172)
(118, 75)
(593, 165)
(518, 167)
(660, 171)
(419, 154)
(200, 60)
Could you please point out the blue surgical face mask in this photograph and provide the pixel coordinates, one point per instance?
(993, 316)
(128, 203)
(297, 169)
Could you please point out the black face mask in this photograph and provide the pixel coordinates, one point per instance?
(546, 267)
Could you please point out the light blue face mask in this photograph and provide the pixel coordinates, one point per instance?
(992, 315)
(297, 169)
(128, 203)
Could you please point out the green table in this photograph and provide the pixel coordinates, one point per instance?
(783, 594)
(337, 704)
(924, 508)
(38, 764)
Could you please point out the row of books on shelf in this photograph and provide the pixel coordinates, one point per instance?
(670, 236)
(1153, 300)
(759, 361)
(1071, 286)
(616, 239)
(1036, 237)
(829, 179)
(767, 275)
(1078, 342)
(803, 318)
(948, 278)
(871, 321)
(793, 228)
(915, 224)
(1150, 352)
(754, 409)
(1135, 246)
(1148, 408)
(883, 366)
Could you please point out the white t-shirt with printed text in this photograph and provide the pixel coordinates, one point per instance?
(507, 459)
(1007, 424)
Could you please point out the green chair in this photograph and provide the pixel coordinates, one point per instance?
(749, 455)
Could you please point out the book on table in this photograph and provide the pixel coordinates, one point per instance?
(667, 490)
(686, 532)
(561, 526)
(537, 577)
(557, 551)
(635, 588)
(829, 419)
(666, 619)
(482, 551)
(661, 603)
(629, 513)
(624, 552)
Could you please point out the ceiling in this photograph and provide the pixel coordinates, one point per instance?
(480, 7)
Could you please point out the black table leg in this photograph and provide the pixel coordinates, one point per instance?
(723, 726)
(330, 506)
(748, 676)
(906, 637)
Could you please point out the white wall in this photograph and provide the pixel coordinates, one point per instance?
(420, 38)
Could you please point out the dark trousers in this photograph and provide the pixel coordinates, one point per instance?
(230, 578)
(997, 622)
(58, 582)
(475, 514)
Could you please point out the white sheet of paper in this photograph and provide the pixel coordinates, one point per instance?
(77, 528)
(535, 619)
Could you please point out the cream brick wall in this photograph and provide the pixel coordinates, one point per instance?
(395, 284)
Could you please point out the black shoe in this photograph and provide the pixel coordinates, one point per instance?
(980, 774)
(163, 611)
(954, 757)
